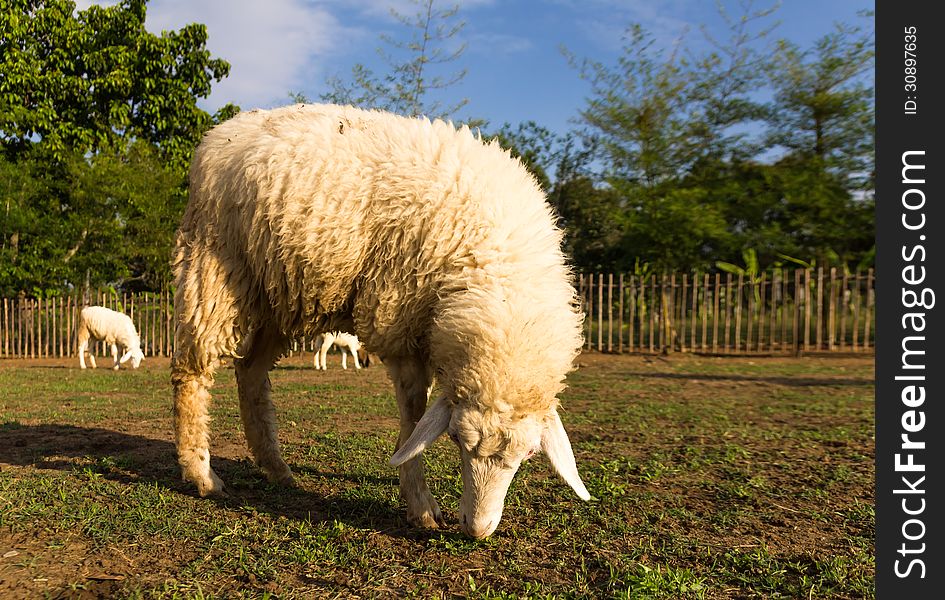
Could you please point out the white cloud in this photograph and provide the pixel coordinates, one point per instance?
(273, 46)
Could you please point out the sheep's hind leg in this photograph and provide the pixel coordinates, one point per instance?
(412, 379)
(256, 410)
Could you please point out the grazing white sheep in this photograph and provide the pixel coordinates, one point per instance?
(437, 250)
(113, 328)
(346, 343)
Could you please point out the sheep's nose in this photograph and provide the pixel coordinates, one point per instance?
(478, 531)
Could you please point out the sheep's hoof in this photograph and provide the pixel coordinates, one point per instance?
(211, 486)
(429, 518)
(285, 479)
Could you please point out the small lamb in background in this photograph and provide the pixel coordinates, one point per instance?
(346, 342)
(111, 327)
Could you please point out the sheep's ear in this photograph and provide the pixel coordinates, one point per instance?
(431, 426)
(555, 443)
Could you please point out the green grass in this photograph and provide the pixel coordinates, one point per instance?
(734, 478)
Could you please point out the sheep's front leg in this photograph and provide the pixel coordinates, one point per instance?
(412, 379)
(344, 358)
(192, 425)
(256, 410)
(322, 354)
(115, 363)
(83, 347)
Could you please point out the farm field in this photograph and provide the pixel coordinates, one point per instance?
(713, 478)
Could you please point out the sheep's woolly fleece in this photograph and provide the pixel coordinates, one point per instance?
(414, 234)
(109, 326)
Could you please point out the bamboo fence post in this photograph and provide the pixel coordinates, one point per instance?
(870, 299)
(6, 330)
(715, 313)
(784, 305)
(671, 314)
(738, 313)
(761, 312)
(820, 308)
(831, 310)
(31, 328)
(633, 312)
(751, 314)
(590, 309)
(727, 338)
(661, 315)
(807, 309)
(773, 318)
(155, 308)
(39, 328)
(796, 344)
(693, 317)
(620, 314)
(169, 318)
(705, 312)
(856, 312)
(21, 327)
(600, 311)
(844, 304)
(55, 330)
(610, 312)
(682, 313)
(653, 306)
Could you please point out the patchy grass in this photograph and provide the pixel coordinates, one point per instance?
(713, 478)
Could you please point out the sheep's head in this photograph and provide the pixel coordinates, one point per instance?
(492, 449)
(135, 355)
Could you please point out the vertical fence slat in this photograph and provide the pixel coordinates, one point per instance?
(844, 305)
(694, 314)
(590, 309)
(807, 309)
(610, 312)
(856, 311)
(682, 313)
(752, 290)
(773, 318)
(673, 332)
(727, 338)
(870, 299)
(738, 313)
(715, 313)
(820, 309)
(600, 311)
(784, 306)
(652, 312)
(832, 309)
(761, 313)
(620, 314)
(633, 312)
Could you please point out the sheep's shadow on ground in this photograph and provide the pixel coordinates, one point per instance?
(128, 459)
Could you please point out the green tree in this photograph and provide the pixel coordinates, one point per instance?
(823, 109)
(98, 121)
(96, 79)
(415, 67)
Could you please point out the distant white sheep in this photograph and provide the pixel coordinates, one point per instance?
(113, 328)
(346, 343)
(437, 250)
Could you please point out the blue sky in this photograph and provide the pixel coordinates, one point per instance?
(516, 71)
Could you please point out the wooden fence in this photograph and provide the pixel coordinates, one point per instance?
(781, 311)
